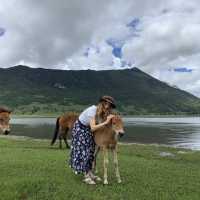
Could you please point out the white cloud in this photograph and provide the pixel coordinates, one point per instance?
(169, 41)
(48, 32)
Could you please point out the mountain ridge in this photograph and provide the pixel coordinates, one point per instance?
(136, 92)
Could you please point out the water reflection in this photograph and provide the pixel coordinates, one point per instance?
(181, 132)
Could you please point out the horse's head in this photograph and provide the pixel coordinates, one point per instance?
(4, 122)
(117, 125)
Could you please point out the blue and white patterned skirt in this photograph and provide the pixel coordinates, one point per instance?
(82, 148)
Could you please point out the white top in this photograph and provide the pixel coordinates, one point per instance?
(87, 115)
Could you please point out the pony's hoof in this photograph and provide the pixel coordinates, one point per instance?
(119, 181)
(105, 182)
(98, 178)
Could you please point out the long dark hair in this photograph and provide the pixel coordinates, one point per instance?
(102, 112)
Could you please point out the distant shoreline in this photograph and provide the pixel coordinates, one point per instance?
(125, 116)
(23, 138)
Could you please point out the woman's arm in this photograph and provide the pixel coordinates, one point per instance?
(95, 126)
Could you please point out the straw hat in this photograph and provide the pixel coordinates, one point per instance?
(108, 99)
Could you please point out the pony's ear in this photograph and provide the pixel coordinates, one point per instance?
(5, 109)
(114, 113)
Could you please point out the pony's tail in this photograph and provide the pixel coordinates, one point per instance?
(56, 131)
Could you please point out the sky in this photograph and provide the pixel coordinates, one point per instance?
(160, 37)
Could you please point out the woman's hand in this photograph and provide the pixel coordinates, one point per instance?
(109, 117)
(95, 126)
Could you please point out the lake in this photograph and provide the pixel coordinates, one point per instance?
(172, 131)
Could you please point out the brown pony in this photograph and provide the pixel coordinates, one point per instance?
(64, 124)
(106, 138)
(4, 121)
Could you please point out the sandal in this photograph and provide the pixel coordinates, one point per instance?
(89, 181)
(93, 177)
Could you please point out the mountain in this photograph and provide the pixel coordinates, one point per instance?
(29, 90)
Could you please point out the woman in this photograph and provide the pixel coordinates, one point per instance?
(83, 146)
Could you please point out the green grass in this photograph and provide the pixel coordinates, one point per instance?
(31, 169)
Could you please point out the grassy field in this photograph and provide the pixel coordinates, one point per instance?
(31, 169)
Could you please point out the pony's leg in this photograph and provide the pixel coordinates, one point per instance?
(94, 168)
(116, 165)
(65, 138)
(105, 165)
(60, 141)
(66, 143)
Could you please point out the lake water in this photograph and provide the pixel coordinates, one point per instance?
(176, 131)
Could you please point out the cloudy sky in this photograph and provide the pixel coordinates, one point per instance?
(160, 37)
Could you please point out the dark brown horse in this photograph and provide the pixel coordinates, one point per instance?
(4, 121)
(64, 124)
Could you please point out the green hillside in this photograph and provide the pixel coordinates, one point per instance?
(35, 91)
